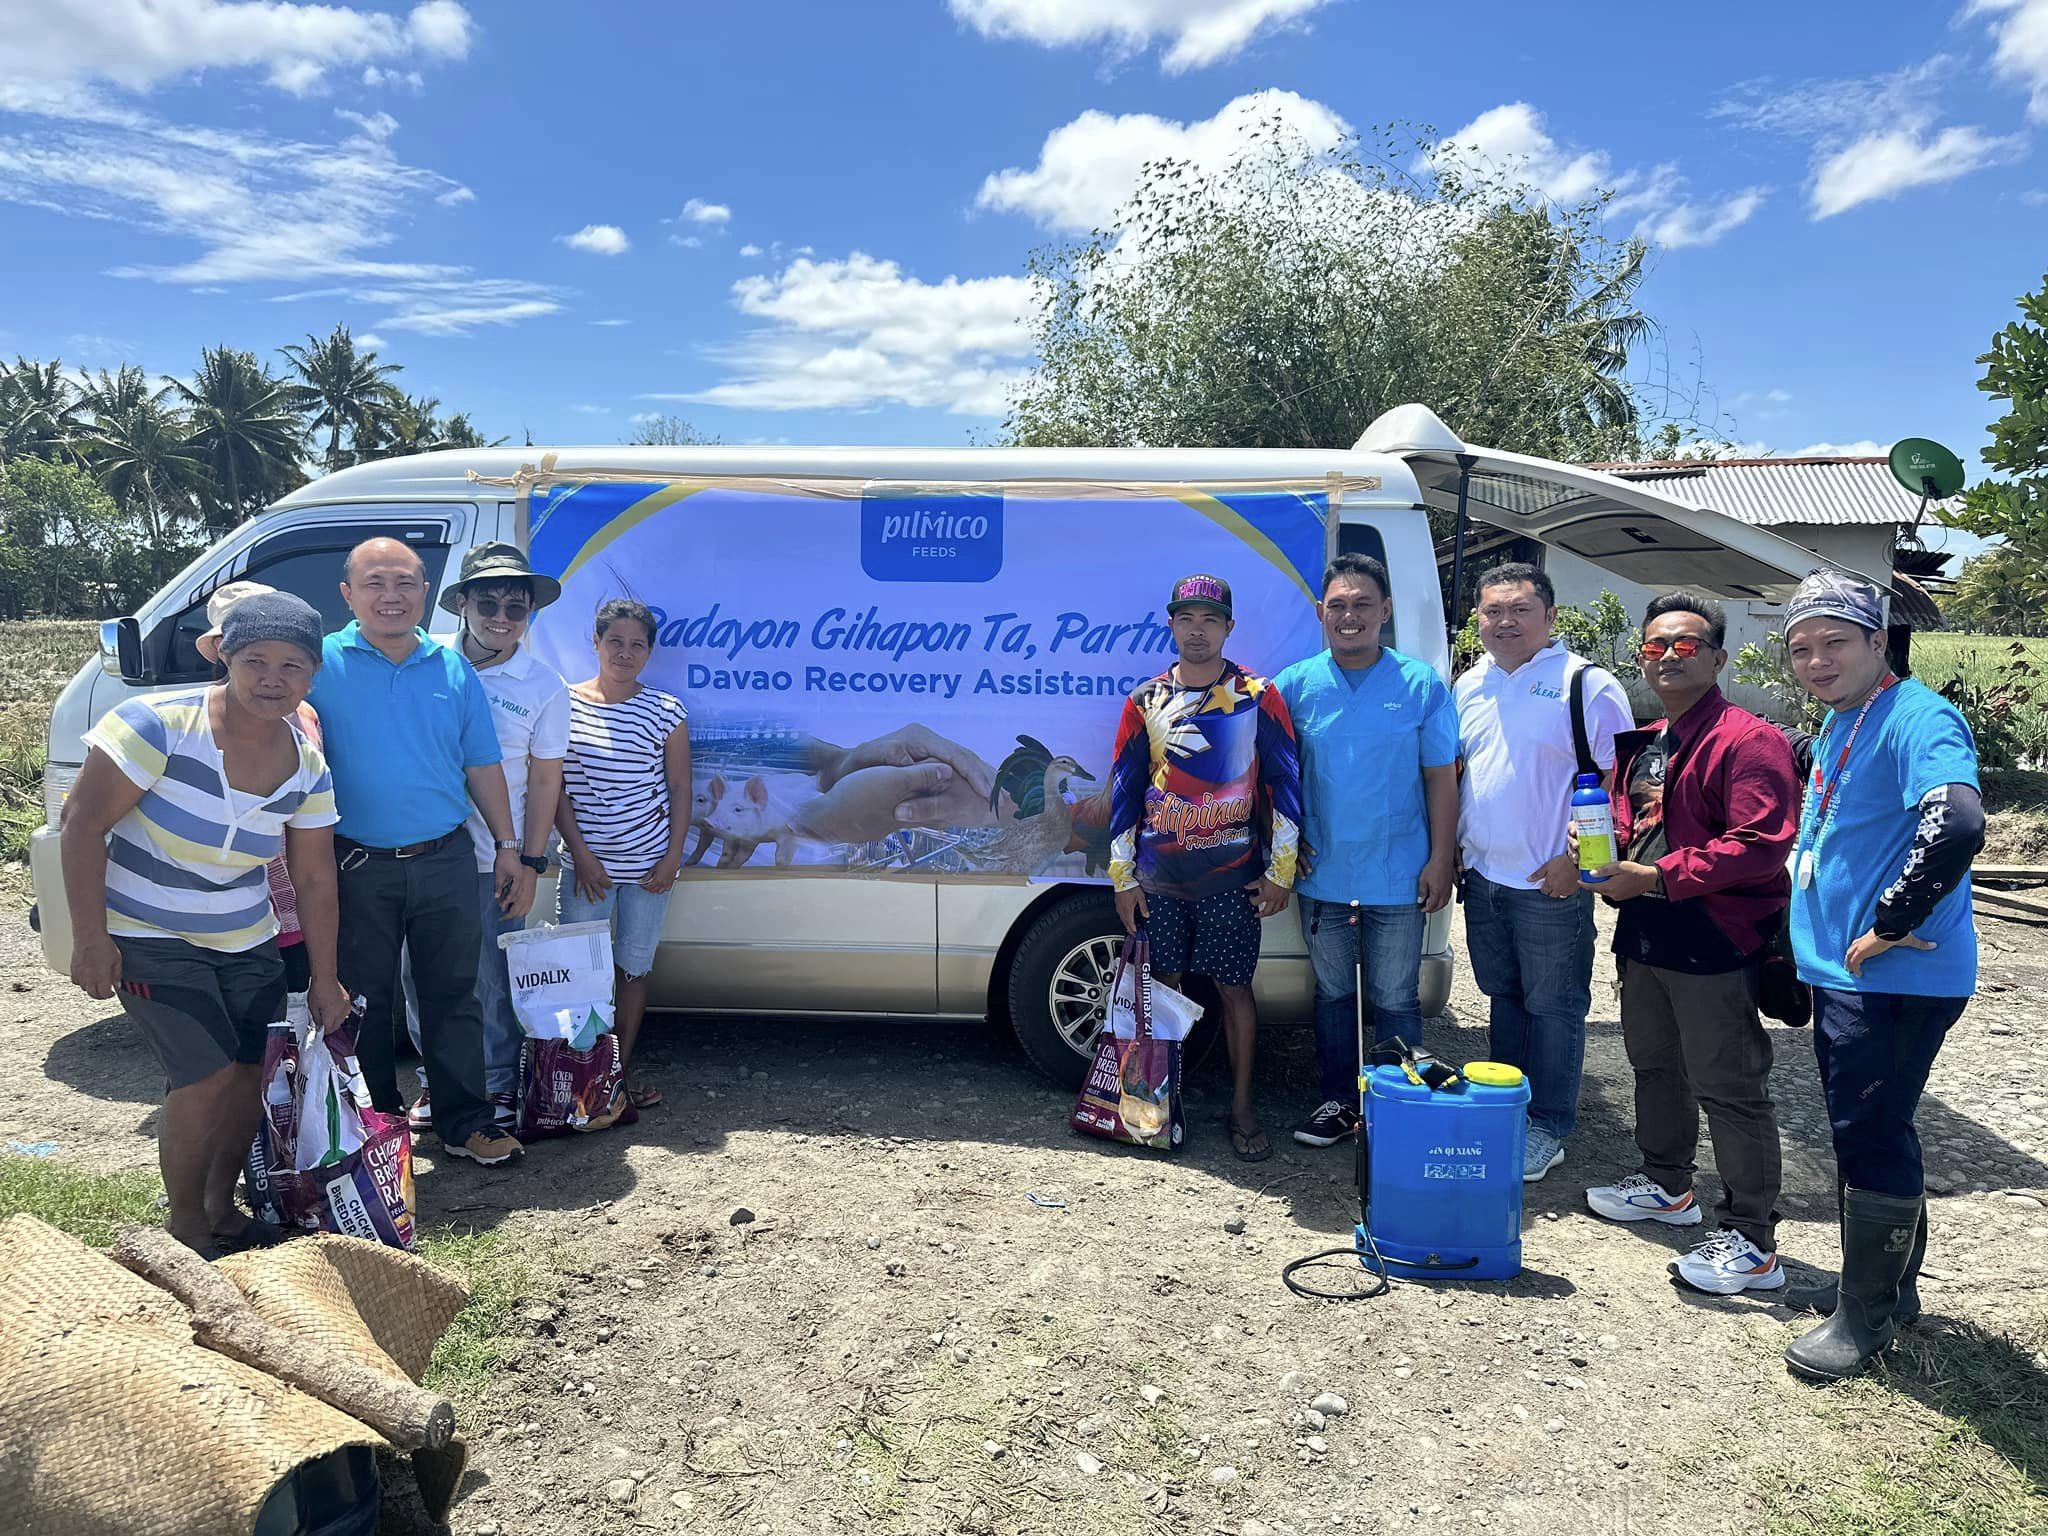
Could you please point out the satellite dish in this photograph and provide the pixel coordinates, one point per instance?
(1926, 468)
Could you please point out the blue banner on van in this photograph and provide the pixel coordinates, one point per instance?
(890, 679)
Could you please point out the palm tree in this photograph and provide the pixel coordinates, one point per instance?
(245, 431)
(458, 431)
(343, 390)
(144, 458)
(39, 410)
(116, 394)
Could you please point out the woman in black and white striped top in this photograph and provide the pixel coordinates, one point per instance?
(625, 811)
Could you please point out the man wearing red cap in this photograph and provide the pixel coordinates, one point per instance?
(1200, 749)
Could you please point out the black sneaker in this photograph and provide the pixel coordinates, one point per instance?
(1331, 1123)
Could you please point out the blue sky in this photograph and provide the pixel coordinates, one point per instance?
(808, 220)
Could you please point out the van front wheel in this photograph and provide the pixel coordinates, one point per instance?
(1058, 987)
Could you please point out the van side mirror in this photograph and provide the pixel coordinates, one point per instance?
(121, 649)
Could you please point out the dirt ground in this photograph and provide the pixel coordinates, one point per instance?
(811, 1294)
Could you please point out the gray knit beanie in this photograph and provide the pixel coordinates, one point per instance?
(271, 616)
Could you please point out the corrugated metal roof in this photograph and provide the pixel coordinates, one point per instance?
(1777, 492)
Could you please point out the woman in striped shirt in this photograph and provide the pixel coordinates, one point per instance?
(182, 802)
(625, 811)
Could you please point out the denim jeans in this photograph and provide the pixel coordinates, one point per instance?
(502, 1035)
(1875, 1051)
(635, 913)
(1392, 944)
(1532, 955)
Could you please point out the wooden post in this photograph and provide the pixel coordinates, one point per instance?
(410, 1417)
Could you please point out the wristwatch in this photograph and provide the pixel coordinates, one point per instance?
(539, 863)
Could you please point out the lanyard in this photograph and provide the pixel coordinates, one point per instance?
(1823, 812)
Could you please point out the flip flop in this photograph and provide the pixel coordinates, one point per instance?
(257, 1234)
(640, 1096)
(1241, 1144)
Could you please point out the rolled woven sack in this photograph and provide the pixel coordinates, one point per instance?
(378, 1305)
(114, 1423)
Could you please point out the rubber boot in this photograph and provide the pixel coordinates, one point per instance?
(1878, 1238)
(1820, 1296)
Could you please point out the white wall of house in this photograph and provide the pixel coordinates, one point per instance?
(1861, 547)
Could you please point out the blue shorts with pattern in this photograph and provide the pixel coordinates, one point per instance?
(1216, 937)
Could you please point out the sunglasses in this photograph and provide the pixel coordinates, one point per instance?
(490, 606)
(1685, 647)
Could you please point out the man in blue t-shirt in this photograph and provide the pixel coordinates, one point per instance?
(1378, 739)
(1882, 930)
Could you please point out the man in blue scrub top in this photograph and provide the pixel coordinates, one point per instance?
(1883, 931)
(1379, 745)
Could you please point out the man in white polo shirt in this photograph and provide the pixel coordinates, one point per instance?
(496, 597)
(1528, 920)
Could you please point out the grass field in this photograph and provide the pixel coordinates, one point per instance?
(1939, 657)
(37, 658)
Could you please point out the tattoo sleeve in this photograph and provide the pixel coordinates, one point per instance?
(1951, 831)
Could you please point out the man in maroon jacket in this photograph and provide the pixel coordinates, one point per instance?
(1707, 821)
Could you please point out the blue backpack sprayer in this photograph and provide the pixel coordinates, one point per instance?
(1439, 1165)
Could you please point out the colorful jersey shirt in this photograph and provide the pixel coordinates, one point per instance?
(1193, 767)
(188, 861)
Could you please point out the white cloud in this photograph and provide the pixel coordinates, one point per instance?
(859, 333)
(1883, 165)
(1196, 32)
(591, 410)
(2020, 28)
(237, 206)
(611, 322)
(750, 249)
(455, 197)
(1512, 141)
(687, 242)
(1864, 448)
(371, 341)
(1872, 137)
(53, 49)
(1088, 167)
(409, 79)
(441, 28)
(697, 211)
(598, 240)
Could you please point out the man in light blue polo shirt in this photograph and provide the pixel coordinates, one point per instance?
(1883, 931)
(411, 744)
(1379, 748)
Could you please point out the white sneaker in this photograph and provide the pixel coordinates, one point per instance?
(1727, 1263)
(1641, 1198)
(1541, 1152)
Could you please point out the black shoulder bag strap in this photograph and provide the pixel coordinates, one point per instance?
(1581, 743)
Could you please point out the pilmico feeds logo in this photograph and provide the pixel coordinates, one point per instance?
(931, 536)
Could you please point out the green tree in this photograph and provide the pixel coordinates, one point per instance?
(246, 433)
(145, 459)
(1288, 299)
(1996, 595)
(459, 432)
(39, 410)
(2015, 508)
(58, 529)
(342, 391)
(668, 432)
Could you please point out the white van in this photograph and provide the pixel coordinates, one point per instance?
(813, 602)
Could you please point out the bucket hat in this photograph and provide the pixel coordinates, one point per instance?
(217, 606)
(500, 562)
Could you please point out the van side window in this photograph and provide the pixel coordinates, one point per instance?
(1364, 539)
(305, 562)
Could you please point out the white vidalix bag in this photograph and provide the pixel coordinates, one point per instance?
(561, 981)
(1173, 1013)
